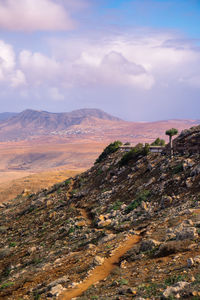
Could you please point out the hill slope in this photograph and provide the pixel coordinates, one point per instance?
(132, 222)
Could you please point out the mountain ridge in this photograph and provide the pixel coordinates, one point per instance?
(92, 124)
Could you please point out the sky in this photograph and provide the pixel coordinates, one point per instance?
(136, 59)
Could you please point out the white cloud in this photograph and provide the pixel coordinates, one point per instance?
(8, 72)
(137, 62)
(32, 15)
(55, 94)
(18, 79)
(38, 68)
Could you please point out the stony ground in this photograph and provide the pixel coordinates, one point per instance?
(51, 241)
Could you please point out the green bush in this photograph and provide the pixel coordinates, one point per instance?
(142, 196)
(6, 285)
(138, 150)
(113, 147)
(178, 169)
(158, 142)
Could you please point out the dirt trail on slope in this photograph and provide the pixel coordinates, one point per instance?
(101, 272)
(85, 215)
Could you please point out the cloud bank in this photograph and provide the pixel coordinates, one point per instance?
(158, 67)
(32, 15)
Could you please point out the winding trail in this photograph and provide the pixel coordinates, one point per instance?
(102, 271)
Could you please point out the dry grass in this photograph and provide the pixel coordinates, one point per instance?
(12, 185)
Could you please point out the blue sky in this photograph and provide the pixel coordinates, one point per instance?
(137, 59)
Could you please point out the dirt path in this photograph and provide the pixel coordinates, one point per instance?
(85, 215)
(101, 272)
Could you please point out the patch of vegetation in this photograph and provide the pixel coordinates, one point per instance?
(71, 230)
(36, 261)
(73, 192)
(116, 205)
(135, 153)
(142, 196)
(123, 281)
(113, 147)
(12, 244)
(178, 169)
(174, 279)
(151, 289)
(58, 191)
(99, 171)
(6, 285)
(68, 181)
(158, 142)
(36, 296)
(6, 271)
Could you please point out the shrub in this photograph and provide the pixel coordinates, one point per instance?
(116, 205)
(113, 147)
(142, 196)
(135, 153)
(158, 142)
(6, 285)
(178, 169)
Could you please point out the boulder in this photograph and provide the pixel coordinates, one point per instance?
(175, 289)
(56, 291)
(166, 201)
(187, 233)
(149, 244)
(98, 260)
(4, 253)
(195, 171)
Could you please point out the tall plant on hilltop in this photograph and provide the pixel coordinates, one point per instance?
(171, 132)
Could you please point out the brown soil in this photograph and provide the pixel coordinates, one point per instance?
(12, 185)
(102, 271)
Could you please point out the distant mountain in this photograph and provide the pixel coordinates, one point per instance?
(33, 123)
(7, 115)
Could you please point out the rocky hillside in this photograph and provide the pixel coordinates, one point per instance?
(128, 228)
(188, 140)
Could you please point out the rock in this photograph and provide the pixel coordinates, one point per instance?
(3, 229)
(31, 250)
(4, 253)
(132, 291)
(189, 233)
(107, 238)
(144, 206)
(171, 247)
(166, 201)
(190, 262)
(150, 181)
(98, 260)
(149, 167)
(59, 281)
(175, 289)
(91, 246)
(56, 291)
(197, 259)
(104, 223)
(195, 171)
(188, 183)
(148, 245)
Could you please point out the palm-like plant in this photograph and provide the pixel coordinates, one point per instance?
(171, 132)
